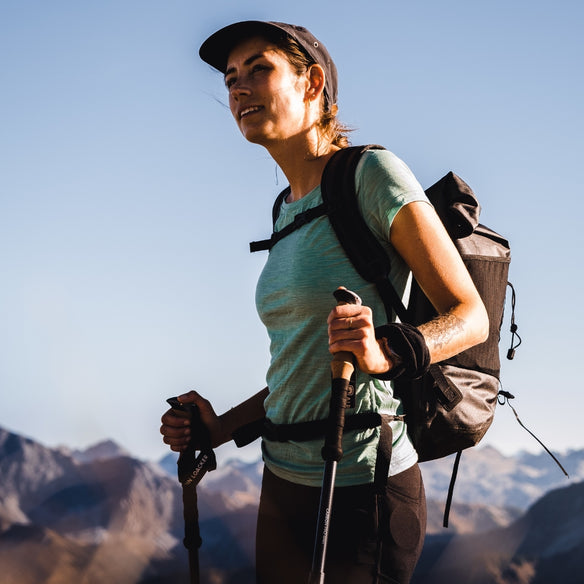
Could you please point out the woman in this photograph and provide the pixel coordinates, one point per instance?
(282, 87)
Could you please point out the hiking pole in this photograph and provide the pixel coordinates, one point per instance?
(191, 469)
(342, 367)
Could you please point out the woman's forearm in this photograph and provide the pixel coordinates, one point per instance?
(246, 412)
(451, 333)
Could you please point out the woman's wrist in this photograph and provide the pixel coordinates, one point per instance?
(393, 359)
(404, 345)
(243, 414)
(228, 423)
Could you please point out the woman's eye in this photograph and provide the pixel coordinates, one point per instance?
(257, 68)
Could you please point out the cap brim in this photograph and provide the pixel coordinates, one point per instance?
(215, 50)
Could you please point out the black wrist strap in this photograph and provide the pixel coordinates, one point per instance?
(407, 343)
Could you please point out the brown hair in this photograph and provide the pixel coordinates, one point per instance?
(331, 127)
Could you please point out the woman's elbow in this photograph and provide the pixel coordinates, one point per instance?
(482, 325)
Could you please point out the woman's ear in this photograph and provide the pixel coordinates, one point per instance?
(316, 78)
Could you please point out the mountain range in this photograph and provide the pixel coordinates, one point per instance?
(101, 515)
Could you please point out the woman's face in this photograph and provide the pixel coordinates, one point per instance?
(267, 98)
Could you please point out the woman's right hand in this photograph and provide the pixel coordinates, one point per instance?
(176, 430)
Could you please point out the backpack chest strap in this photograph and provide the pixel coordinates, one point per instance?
(299, 221)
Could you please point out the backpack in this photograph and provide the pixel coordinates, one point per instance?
(452, 406)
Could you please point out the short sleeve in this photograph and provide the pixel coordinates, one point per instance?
(384, 185)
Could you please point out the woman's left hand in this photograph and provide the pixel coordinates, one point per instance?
(350, 328)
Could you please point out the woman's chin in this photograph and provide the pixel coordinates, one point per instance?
(254, 135)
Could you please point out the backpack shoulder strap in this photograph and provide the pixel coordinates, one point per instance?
(266, 244)
(360, 244)
(278, 205)
(299, 220)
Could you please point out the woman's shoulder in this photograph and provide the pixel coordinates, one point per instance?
(384, 161)
(382, 168)
(384, 184)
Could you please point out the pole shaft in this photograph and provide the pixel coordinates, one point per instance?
(342, 367)
(323, 525)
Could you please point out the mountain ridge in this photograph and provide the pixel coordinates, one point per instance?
(101, 515)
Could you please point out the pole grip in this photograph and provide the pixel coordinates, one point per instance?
(342, 368)
(333, 441)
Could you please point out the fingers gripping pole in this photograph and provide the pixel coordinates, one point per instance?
(342, 367)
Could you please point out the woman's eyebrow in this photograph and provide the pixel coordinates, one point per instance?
(248, 61)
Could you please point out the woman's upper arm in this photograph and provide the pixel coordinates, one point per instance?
(392, 200)
(421, 240)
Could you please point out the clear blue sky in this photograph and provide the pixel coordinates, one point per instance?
(128, 197)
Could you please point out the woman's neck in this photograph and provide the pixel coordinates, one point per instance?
(302, 165)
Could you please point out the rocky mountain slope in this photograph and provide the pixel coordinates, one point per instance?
(101, 515)
(66, 519)
(488, 477)
(544, 546)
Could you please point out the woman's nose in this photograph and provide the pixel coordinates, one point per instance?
(239, 88)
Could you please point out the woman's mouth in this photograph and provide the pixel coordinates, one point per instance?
(249, 110)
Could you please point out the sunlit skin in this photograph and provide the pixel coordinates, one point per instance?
(266, 97)
(278, 108)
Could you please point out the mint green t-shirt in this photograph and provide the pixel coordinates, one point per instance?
(294, 298)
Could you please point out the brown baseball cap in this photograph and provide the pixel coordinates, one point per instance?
(215, 50)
